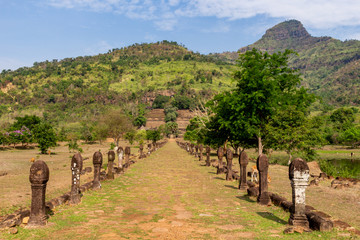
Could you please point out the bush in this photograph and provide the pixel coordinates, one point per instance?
(160, 101)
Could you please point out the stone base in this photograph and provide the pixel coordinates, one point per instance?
(300, 220)
(243, 186)
(264, 198)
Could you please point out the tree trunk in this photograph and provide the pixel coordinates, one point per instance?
(290, 157)
(260, 146)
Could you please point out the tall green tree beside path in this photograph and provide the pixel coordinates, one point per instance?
(266, 85)
(45, 136)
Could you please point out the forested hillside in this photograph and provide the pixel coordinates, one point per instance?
(75, 89)
(330, 67)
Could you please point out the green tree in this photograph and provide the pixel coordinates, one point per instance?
(160, 101)
(343, 118)
(153, 134)
(265, 86)
(130, 136)
(45, 136)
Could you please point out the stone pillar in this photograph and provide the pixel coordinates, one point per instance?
(111, 159)
(243, 162)
(299, 177)
(262, 165)
(229, 158)
(149, 148)
(201, 148)
(187, 147)
(220, 153)
(120, 153)
(141, 149)
(127, 156)
(191, 149)
(208, 156)
(39, 176)
(97, 161)
(76, 167)
(196, 150)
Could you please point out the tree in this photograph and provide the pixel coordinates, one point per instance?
(115, 123)
(343, 118)
(153, 134)
(45, 136)
(130, 136)
(160, 101)
(265, 86)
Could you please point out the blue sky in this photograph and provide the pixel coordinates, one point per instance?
(39, 30)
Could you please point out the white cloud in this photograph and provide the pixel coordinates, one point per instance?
(319, 14)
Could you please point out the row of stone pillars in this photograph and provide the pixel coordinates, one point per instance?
(298, 175)
(39, 176)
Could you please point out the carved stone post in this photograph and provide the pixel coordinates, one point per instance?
(201, 148)
(127, 156)
(243, 161)
(187, 147)
(120, 153)
(149, 149)
(208, 156)
(299, 177)
(229, 158)
(111, 159)
(191, 149)
(39, 176)
(196, 150)
(262, 165)
(141, 149)
(76, 167)
(220, 153)
(97, 161)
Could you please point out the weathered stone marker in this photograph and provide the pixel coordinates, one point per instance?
(191, 149)
(39, 176)
(262, 165)
(141, 149)
(220, 153)
(149, 148)
(229, 158)
(76, 168)
(187, 147)
(201, 149)
(97, 161)
(208, 156)
(111, 159)
(243, 161)
(196, 150)
(127, 156)
(120, 153)
(299, 177)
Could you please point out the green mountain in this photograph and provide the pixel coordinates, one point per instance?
(73, 89)
(330, 67)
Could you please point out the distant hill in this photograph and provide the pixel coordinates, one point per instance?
(330, 67)
(74, 88)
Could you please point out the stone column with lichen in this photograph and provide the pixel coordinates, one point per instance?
(208, 156)
(76, 167)
(299, 177)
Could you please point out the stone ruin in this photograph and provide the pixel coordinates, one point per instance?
(220, 154)
(207, 161)
(76, 168)
(111, 159)
(229, 158)
(243, 162)
(299, 177)
(97, 161)
(39, 176)
(201, 149)
(262, 165)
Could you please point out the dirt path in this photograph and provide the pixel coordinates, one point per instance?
(169, 195)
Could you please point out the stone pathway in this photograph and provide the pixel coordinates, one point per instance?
(169, 195)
